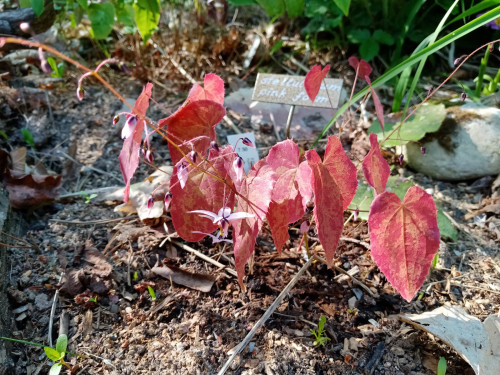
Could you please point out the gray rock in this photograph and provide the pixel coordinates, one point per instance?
(467, 145)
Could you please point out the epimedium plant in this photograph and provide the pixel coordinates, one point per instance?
(209, 190)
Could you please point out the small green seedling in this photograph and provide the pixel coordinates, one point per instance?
(56, 355)
(28, 138)
(320, 339)
(353, 311)
(57, 69)
(435, 261)
(88, 198)
(4, 135)
(441, 370)
(136, 276)
(152, 293)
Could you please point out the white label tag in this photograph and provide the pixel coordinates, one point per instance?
(249, 155)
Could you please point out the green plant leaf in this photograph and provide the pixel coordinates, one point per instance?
(24, 3)
(446, 228)
(242, 2)
(343, 5)
(84, 4)
(410, 61)
(276, 47)
(147, 16)
(383, 37)
(441, 369)
(273, 7)
(294, 8)
(52, 354)
(28, 138)
(357, 36)
(369, 49)
(362, 200)
(52, 64)
(427, 119)
(482, 5)
(125, 15)
(37, 6)
(152, 293)
(62, 343)
(55, 369)
(102, 17)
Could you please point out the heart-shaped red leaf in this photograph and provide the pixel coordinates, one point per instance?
(375, 167)
(314, 77)
(192, 127)
(202, 192)
(342, 169)
(257, 189)
(362, 68)
(404, 238)
(213, 90)
(129, 155)
(328, 212)
(287, 203)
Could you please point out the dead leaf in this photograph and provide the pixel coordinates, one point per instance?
(476, 342)
(191, 280)
(28, 191)
(99, 264)
(18, 158)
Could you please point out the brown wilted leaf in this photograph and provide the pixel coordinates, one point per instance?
(26, 190)
(179, 276)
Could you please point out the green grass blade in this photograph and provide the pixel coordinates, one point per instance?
(391, 73)
(485, 4)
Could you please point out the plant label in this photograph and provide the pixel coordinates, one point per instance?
(249, 155)
(287, 89)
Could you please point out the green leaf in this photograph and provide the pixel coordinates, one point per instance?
(398, 185)
(62, 343)
(152, 293)
(147, 17)
(369, 49)
(441, 369)
(294, 8)
(383, 37)
(273, 7)
(84, 4)
(52, 354)
(28, 138)
(55, 369)
(242, 2)
(427, 119)
(357, 36)
(102, 17)
(52, 64)
(435, 261)
(37, 6)
(4, 135)
(445, 226)
(362, 200)
(277, 46)
(24, 3)
(343, 5)
(125, 15)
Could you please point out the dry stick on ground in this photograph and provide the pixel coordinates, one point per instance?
(53, 310)
(266, 315)
(205, 258)
(93, 222)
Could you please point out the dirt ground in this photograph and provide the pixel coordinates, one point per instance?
(105, 254)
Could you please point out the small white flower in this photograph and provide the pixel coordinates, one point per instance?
(215, 239)
(222, 218)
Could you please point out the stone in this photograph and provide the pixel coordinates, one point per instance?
(465, 147)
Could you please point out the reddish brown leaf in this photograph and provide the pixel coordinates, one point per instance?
(202, 192)
(196, 281)
(129, 155)
(375, 167)
(287, 203)
(214, 90)
(328, 212)
(404, 238)
(29, 191)
(342, 170)
(313, 80)
(192, 127)
(379, 110)
(257, 189)
(362, 68)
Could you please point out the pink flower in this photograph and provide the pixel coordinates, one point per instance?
(215, 239)
(129, 126)
(222, 218)
(182, 174)
(167, 200)
(238, 167)
(247, 142)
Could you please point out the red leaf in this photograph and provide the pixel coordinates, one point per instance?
(375, 167)
(28, 191)
(202, 192)
(129, 155)
(192, 127)
(342, 170)
(362, 68)
(328, 212)
(404, 238)
(214, 90)
(287, 204)
(378, 108)
(314, 77)
(256, 188)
